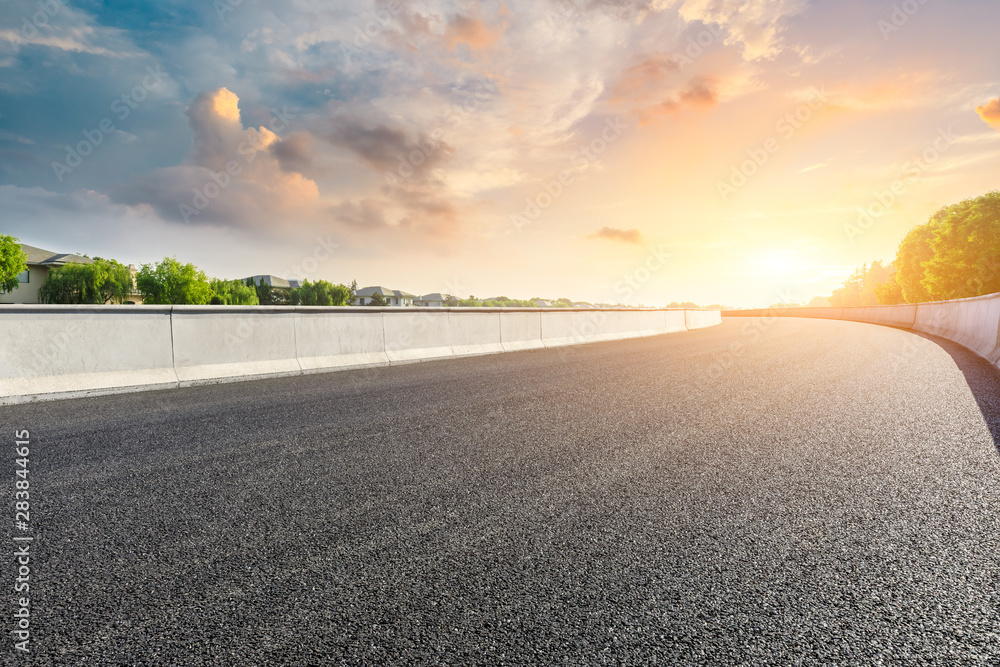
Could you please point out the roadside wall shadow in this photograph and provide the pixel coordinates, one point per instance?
(982, 377)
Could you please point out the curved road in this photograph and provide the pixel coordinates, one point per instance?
(763, 492)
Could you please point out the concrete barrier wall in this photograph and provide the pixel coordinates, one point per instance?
(699, 319)
(61, 351)
(340, 338)
(520, 330)
(973, 323)
(212, 344)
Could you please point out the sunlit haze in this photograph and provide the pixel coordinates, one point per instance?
(636, 152)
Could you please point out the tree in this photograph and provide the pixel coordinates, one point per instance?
(321, 293)
(376, 299)
(263, 291)
(966, 249)
(173, 283)
(889, 293)
(233, 293)
(13, 262)
(102, 281)
(354, 293)
(913, 253)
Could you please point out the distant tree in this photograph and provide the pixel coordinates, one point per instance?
(265, 293)
(13, 262)
(889, 293)
(233, 293)
(102, 281)
(354, 291)
(170, 282)
(913, 254)
(321, 293)
(377, 299)
(450, 301)
(850, 293)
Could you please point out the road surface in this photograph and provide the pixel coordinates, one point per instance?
(763, 492)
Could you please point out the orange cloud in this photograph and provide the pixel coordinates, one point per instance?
(613, 234)
(646, 77)
(226, 104)
(655, 87)
(990, 112)
(471, 31)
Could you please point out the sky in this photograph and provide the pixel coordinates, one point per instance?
(715, 151)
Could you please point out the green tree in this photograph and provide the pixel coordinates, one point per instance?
(13, 262)
(966, 249)
(233, 293)
(263, 291)
(354, 291)
(889, 293)
(321, 293)
(913, 254)
(172, 283)
(377, 299)
(102, 281)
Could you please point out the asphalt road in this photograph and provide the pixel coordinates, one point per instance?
(764, 492)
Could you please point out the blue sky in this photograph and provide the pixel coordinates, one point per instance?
(524, 148)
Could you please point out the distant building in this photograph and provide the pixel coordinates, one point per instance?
(393, 297)
(433, 300)
(275, 282)
(39, 263)
(542, 303)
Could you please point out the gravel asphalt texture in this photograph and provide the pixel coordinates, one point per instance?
(763, 492)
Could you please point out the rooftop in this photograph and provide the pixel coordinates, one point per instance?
(40, 257)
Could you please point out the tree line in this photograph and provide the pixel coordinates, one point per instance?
(168, 282)
(954, 255)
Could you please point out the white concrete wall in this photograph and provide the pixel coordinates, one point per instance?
(973, 323)
(61, 351)
(521, 330)
(328, 338)
(213, 343)
(699, 319)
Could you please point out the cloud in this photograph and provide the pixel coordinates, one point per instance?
(471, 31)
(990, 112)
(656, 86)
(385, 148)
(296, 152)
(756, 26)
(613, 234)
(366, 214)
(233, 175)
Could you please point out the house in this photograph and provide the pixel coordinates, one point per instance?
(393, 297)
(39, 263)
(542, 303)
(275, 282)
(433, 300)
